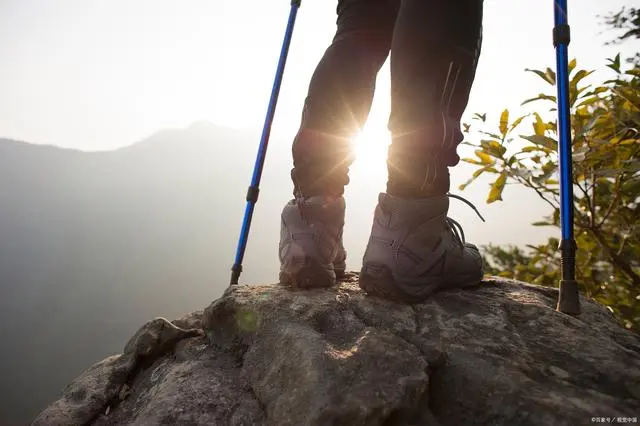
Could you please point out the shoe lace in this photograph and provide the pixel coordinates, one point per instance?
(454, 226)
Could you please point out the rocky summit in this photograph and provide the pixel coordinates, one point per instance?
(497, 354)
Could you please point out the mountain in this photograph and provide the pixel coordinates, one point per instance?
(115, 238)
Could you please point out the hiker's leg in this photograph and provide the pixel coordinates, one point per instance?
(336, 107)
(340, 95)
(414, 248)
(434, 55)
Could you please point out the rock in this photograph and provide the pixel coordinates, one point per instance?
(558, 372)
(89, 394)
(156, 337)
(97, 388)
(190, 320)
(497, 354)
(124, 392)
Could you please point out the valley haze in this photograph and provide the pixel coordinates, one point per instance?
(94, 244)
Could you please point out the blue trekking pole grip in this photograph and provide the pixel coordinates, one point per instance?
(568, 299)
(254, 188)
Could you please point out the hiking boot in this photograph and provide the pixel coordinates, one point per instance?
(415, 249)
(340, 263)
(311, 242)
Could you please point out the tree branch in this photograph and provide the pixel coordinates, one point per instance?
(614, 202)
(615, 259)
(528, 184)
(593, 198)
(592, 214)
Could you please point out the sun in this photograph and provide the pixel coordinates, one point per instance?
(370, 149)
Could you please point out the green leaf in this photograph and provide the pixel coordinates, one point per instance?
(481, 117)
(614, 64)
(579, 76)
(497, 187)
(473, 161)
(574, 92)
(543, 141)
(634, 72)
(599, 90)
(540, 97)
(593, 93)
(484, 169)
(632, 186)
(549, 166)
(551, 75)
(538, 125)
(586, 243)
(476, 174)
(491, 135)
(517, 122)
(589, 101)
(504, 122)
(572, 65)
(530, 149)
(582, 90)
(631, 166)
(551, 79)
(542, 223)
(493, 148)
(484, 157)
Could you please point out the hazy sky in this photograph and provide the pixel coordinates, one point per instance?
(96, 75)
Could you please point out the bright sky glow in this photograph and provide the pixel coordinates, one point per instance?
(97, 75)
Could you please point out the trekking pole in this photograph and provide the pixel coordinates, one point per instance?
(568, 300)
(254, 188)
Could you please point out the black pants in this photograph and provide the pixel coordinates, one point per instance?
(434, 45)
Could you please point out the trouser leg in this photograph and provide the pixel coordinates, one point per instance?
(340, 96)
(434, 55)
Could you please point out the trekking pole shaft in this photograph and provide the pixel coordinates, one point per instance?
(568, 300)
(254, 188)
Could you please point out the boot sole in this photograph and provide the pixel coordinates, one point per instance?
(311, 275)
(380, 282)
(340, 273)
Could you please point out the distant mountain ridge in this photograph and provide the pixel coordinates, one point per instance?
(115, 237)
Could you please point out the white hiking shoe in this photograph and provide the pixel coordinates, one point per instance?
(415, 249)
(311, 251)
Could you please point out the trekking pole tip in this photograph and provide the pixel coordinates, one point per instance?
(236, 270)
(568, 299)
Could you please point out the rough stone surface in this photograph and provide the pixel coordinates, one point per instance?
(497, 354)
(98, 387)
